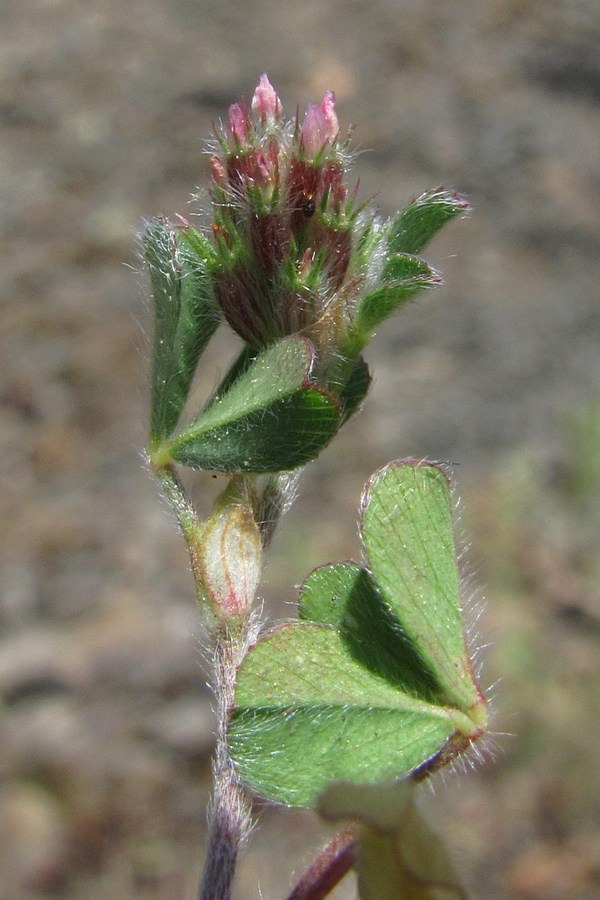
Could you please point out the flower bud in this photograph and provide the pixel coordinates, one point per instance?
(218, 171)
(320, 126)
(266, 103)
(271, 236)
(239, 126)
(244, 301)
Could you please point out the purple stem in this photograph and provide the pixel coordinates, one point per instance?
(328, 869)
(229, 813)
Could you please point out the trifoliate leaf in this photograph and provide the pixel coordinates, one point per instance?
(347, 596)
(375, 682)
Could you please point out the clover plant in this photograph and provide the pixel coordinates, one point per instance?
(372, 688)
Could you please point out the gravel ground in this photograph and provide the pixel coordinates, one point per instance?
(105, 721)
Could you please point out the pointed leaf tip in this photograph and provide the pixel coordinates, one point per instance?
(420, 221)
(402, 278)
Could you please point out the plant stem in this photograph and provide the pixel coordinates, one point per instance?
(185, 514)
(328, 869)
(229, 820)
(229, 813)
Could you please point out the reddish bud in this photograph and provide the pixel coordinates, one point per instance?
(335, 247)
(320, 126)
(239, 126)
(333, 179)
(244, 301)
(271, 238)
(329, 113)
(303, 186)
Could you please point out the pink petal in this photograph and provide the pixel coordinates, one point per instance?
(265, 101)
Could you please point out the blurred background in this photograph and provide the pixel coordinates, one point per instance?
(105, 719)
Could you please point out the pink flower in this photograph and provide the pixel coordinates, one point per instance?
(328, 110)
(239, 126)
(320, 125)
(266, 102)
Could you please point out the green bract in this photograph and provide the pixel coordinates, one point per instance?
(403, 276)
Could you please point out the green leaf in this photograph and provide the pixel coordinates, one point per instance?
(325, 593)
(420, 221)
(185, 318)
(240, 365)
(375, 681)
(197, 243)
(407, 533)
(308, 714)
(270, 419)
(403, 276)
(347, 597)
(356, 388)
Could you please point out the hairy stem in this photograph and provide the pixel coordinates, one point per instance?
(185, 514)
(328, 869)
(229, 820)
(229, 814)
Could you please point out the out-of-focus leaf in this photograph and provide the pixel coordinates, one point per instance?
(413, 863)
(399, 854)
(379, 806)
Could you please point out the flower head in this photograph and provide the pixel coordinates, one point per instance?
(289, 252)
(279, 200)
(294, 252)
